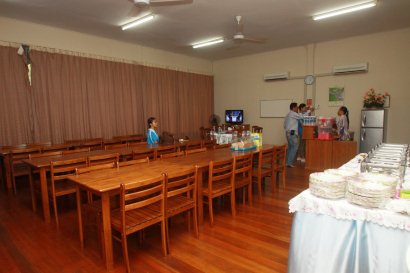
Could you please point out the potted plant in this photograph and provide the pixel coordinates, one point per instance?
(371, 99)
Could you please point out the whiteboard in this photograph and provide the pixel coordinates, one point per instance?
(274, 108)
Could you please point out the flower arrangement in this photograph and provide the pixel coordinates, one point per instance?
(372, 99)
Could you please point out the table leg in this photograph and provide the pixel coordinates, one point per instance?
(200, 199)
(7, 166)
(106, 218)
(44, 195)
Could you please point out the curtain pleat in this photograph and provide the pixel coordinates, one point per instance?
(76, 97)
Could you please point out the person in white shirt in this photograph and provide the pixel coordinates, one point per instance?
(290, 125)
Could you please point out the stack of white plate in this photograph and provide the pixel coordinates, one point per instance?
(342, 172)
(367, 194)
(327, 185)
(387, 180)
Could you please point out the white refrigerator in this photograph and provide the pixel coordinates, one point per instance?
(373, 128)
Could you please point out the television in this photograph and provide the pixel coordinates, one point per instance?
(234, 116)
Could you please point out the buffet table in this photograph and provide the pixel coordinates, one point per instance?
(336, 236)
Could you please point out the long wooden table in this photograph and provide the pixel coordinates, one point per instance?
(106, 183)
(43, 165)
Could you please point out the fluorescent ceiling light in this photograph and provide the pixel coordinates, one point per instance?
(137, 22)
(208, 43)
(347, 9)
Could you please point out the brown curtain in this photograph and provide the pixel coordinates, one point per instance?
(15, 99)
(75, 97)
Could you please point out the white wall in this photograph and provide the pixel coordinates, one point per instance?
(239, 83)
(50, 37)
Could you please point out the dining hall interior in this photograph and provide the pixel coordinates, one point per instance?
(152, 136)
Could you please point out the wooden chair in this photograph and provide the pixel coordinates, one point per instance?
(92, 143)
(209, 144)
(144, 153)
(80, 150)
(220, 182)
(112, 141)
(262, 167)
(102, 159)
(47, 154)
(60, 170)
(36, 172)
(40, 144)
(195, 151)
(93, 208)
(95, 168)
(135, 139)
(222, 146)
(181, 197)
(279, 164)
(166, 150)
(141, 205)
(243, 175)
(193, 145)
(172, 155)
(59, 147)
(115, 146)
(137, 144)
(73, 141)
(18, 167)
(134, 162)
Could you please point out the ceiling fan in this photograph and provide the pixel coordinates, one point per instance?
(239, 36)
(145, 5)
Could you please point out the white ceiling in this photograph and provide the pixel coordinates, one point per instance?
(284, 23)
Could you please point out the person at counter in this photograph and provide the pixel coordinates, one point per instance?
(303, 111)
(342, 123)
(291, 129)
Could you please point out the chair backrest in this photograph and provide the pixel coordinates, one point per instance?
(171, 155)
(39, 144)
(115, 146)
(135, 138)
(17, 155)
(257, 129)
(53, 153)
(144, 153)
(193, 145)
(96, 168)
(80, 150)
(221, 170)
(93, 144)
(279, 156)
(133, 162)
(61, 169)
(73, 141)
(138, 195)
(102, 159)
(182, 183)
(166, 150)
(222, 146)
(58, 147)
(209, 144)
(137, 144)
(195, 151)
(243, 164)
(265, 159)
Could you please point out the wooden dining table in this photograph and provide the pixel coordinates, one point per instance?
(106, 183)
(42, 164)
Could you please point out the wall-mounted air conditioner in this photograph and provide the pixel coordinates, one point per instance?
(277, 76)
(354, 68)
